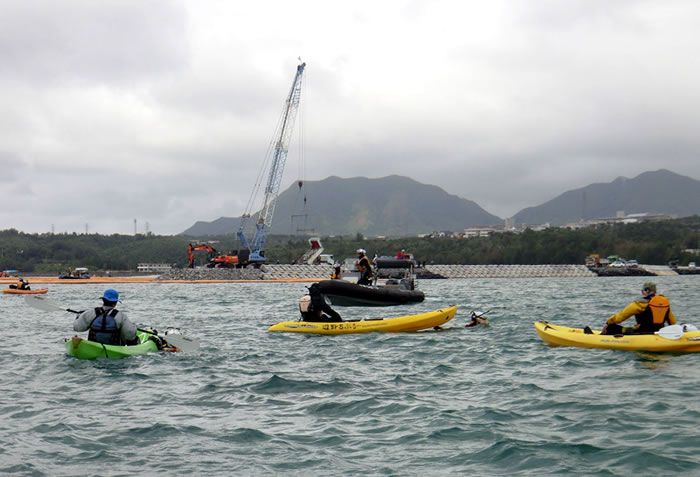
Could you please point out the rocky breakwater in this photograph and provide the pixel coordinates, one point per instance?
(687, 270)
(297, 272)
(509, 271)
(212, 274)
(264, 272)
(639, 271)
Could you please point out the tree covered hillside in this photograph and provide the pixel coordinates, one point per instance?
(648, 243)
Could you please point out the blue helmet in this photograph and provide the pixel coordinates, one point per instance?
(111, 295)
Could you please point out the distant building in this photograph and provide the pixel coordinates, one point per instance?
(622, 218)
(153, 267)
(478, 232)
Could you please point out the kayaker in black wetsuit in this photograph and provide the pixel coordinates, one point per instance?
(313, 306)
(651, 311)
(106, 324)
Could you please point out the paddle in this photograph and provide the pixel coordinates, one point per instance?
(672, 332)
(479, 315)
(185, 343)
(43, 303)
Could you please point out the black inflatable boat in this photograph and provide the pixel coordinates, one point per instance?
(394, 292)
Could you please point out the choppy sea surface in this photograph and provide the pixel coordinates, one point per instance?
(467, 401)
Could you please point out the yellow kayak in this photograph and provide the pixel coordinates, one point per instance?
(417, 322)
(564, 336)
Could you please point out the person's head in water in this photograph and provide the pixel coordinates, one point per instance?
(110, 297)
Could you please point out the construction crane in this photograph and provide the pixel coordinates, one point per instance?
(278, 159)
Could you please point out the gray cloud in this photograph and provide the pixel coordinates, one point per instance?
(162, 112)
(108, 42)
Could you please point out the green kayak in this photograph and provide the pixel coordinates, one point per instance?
(83, 349)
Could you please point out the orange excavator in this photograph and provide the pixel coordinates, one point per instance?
(214, 258)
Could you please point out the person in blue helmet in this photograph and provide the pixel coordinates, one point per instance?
(106, 324)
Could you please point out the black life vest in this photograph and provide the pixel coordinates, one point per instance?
(655, 316)
(104, 329)
(318, 304)
(317, 300)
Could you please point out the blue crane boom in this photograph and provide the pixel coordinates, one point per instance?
(279, 157)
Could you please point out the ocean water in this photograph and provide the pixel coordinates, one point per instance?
(480, 401)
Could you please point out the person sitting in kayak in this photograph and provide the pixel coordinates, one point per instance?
(365, 268)
(313, 306)
(21, 285)
(651, 311)
(106, 324)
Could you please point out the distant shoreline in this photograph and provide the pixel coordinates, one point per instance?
(313, 273)
(39, 280)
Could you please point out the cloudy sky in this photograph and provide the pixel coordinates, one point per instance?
(163, 111)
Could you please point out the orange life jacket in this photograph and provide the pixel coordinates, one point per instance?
(659, 305)
(363, 264)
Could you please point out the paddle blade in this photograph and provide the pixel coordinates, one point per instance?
(42, 303)
(185, 343)
(672, 332)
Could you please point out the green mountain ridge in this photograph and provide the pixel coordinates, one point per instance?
(397, 206)
(391, 206)
(658, 192)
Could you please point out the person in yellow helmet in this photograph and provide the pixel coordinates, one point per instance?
(651, 311)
